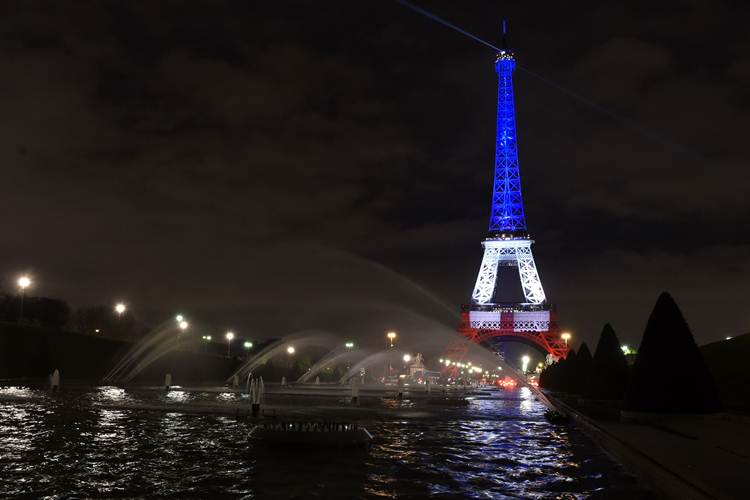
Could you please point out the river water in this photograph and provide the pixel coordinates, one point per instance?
(500, 446)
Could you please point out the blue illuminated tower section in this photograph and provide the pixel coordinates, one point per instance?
(507, 203)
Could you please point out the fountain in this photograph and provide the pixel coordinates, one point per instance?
(54, 380)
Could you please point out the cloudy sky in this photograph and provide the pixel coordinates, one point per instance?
(276, 166)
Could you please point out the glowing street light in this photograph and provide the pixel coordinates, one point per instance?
(349, 345)
(183, 325)
(179, 318)
(525, 360)
(23, 283)
(229, 336)
(625, 349)
(120, 308)
(290, 350)
(565, 336)
(248, 344)
(391, 337)
(407, 358)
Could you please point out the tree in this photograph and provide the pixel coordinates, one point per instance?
(582, 369)
(567, 373)
(609, 373)
(669, 374)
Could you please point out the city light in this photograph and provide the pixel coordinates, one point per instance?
(625, 349)
(179, 318)
(407, 358)
(290, 350)
(525, 360)
(248, 344)
(565, 336)
(120, 308)
(447, 362)
(24, 282)
(391, 337)
(349, 345)
(229, 336)
(183, 325)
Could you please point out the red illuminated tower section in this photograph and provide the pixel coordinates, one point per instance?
(508, 301)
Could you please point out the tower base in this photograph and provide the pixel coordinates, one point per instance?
(535, 325)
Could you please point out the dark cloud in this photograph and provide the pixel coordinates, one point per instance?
(241, 160)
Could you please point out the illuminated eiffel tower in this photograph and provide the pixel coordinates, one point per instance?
(491, 316)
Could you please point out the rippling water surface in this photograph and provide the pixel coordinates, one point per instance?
(498, 447)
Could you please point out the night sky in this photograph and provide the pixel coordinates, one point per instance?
(262, 165)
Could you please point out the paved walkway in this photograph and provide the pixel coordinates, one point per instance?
(701, 456)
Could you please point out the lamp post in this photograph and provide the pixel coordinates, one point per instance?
(182, 325)
(406, 358)
(565, 336)
(349, 345)
(525, 363)
(229, 336)
(391, 336)
(23, 283)
(248, 345)
(120, 308)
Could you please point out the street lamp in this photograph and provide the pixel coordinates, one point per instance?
(23, 283)
(182, 325)
(407, 358)
(120, 308)
(565, 336)
(248, 344)
(229, 336)
(179, 318)
(290, 350)
(525, 360)
(349, 345)
(391, 337)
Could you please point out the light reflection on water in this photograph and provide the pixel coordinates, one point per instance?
(493, 448)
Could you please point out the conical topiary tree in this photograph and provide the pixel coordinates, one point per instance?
(669, 374)
(582, 369)
(567, 373)
(609, 373)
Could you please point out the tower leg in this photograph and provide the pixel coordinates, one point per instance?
(530, 282)
(485, 286)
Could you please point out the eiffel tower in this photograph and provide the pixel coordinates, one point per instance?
(500, 310)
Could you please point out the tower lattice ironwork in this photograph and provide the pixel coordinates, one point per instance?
(529, 319)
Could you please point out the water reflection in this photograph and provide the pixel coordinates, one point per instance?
(496, 447)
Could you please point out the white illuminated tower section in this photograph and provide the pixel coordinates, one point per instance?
(509, 244)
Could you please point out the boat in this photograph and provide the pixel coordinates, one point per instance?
(311, 433)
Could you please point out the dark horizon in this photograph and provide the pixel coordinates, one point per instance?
(252, 165)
